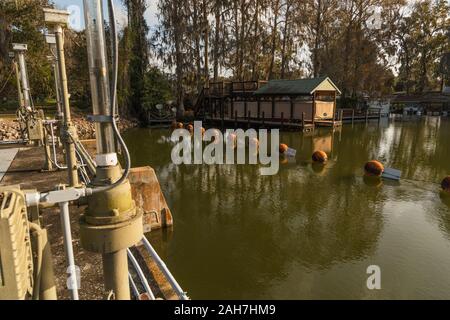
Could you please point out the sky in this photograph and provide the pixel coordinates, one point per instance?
(77, 6)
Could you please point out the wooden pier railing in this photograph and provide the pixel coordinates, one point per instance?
(348, 114)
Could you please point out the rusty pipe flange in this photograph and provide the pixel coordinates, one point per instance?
(112, 237)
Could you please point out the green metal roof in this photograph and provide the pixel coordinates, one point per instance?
(293, 87)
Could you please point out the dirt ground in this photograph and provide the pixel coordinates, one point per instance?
(26, 171)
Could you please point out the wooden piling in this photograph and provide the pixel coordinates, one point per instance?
(222, 122)
(292, 109)
(232, 106)
(303, 121)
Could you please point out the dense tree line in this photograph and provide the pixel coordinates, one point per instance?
(368, 47)
(358, 43)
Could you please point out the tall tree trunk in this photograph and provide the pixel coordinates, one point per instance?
(274, 40)
(286, 38)
(318, 36)
(179, 61)
(206, 41)
(217, 14)
(257, 42)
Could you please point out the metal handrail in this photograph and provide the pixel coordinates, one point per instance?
(140, 274)
(170, 278)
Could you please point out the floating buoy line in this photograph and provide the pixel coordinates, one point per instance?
(373, 169)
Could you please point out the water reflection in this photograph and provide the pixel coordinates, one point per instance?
(238, 234)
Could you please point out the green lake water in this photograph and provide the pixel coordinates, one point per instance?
(309, 232)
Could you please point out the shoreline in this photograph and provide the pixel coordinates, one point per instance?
(10, 129)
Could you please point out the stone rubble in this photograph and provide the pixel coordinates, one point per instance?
(10, 129)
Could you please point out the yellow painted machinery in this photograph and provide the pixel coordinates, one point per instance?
(26, 270)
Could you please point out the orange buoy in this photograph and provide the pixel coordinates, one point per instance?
(319, 156)
(203, 131)
(190, 127)
(180, 125)
(374, 168)
(283, 148)
(445, 184)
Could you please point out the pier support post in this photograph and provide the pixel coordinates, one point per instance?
(303, 120)
(259, 107)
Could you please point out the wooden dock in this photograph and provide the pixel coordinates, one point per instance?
(259, 122)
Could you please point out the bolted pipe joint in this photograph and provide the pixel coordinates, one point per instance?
(111, 221)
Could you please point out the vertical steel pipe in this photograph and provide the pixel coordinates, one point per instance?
(68, 247)
(24, 79)
(69, 145)
(98, 73)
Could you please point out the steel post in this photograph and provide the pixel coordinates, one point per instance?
(115, 273)
(69, 130)
(24, 79)
(111, 223)
(68, 247)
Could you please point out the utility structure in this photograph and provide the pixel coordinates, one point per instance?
(57, 20)
(111, 223)
(13, 56)
(51, 41)
(30, 119)
(22, 74)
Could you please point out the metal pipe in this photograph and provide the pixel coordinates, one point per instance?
(111, 184)
(99, 74)
(48, 156)
(176, 287)
(56, 73)
(19, 87)
(133, 286)
(24, 79)
(68, 247)
(115, 274)
(55, 160)
(141, 274)
(69, 146)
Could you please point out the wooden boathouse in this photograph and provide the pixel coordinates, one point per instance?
(298, 104)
